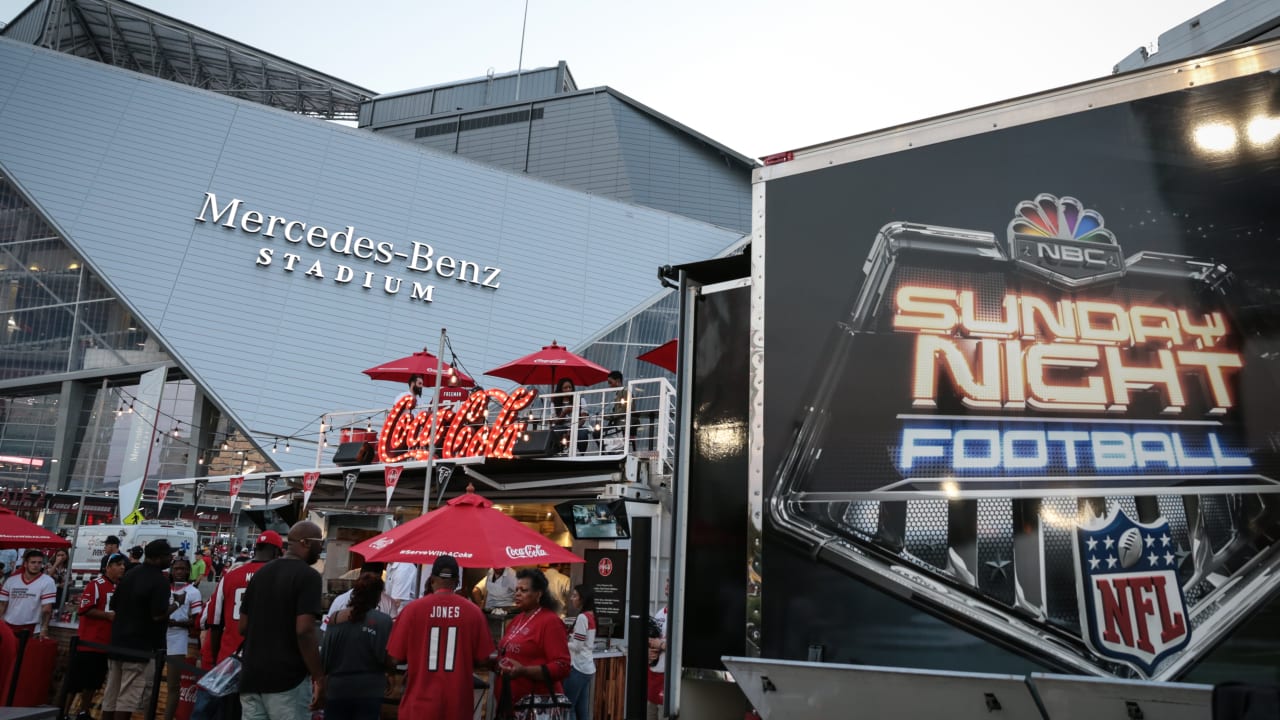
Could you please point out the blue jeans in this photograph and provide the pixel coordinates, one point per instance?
(287, 705)
(578, 689)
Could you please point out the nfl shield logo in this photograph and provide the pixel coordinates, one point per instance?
(1131, 605)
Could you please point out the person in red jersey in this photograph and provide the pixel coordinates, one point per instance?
(535, 650)
(442, 637)
(222, 618)
(230, 592)
(88, 670)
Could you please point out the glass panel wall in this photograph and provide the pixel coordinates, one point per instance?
(104, 429)
(55, 316)
(618, 346)
(28, 424)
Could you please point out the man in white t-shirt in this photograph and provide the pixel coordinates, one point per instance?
(178, 637)
(559, 585)
(401, 584)
(496, 593)
(27, 597)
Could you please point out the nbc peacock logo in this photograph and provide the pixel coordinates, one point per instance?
(1064, 243)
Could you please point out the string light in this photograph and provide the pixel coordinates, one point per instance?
(275, 444)
(286, 445)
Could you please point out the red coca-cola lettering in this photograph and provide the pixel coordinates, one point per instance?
(458, 431)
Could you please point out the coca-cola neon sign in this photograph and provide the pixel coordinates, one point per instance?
(458, 431)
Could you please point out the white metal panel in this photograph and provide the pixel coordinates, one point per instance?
(1068, 697)
(790, 690)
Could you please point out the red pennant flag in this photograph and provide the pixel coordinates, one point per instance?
(236, 482)
(309, 480)
(162, 492)
(391, 476)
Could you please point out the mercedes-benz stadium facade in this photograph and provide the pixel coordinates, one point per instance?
(260, 259)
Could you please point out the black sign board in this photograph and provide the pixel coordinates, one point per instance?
(606, 577)
(1012, 366)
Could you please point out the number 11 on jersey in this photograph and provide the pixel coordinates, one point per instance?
(448, 652)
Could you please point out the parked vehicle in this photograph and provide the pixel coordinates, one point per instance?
(87, 555)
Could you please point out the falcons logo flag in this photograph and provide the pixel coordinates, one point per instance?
(162, 492)
(309, 480)
(234, 491)
(391, 476)
(349, 484)
(1131, 605)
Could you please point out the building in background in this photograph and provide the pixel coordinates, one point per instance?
(142, 160)
(1229, 23)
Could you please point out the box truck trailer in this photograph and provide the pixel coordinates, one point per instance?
(987, 418)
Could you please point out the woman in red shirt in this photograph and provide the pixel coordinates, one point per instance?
(535, 647)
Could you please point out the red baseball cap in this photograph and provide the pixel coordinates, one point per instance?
(271, 537)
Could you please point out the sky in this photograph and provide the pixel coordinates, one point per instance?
(760, 76)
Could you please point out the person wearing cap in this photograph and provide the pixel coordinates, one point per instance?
(135, 558)
(142, 605)
(441, 636)
(88, 668)
(230, 592)
(110, 547)
(198, 566)
(282, 675)
(223, 622)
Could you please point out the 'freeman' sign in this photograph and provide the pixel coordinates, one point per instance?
(350, 247)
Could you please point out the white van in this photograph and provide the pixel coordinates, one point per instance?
(87, 557)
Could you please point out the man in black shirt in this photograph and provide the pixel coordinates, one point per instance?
(282, 677)
(142, 604)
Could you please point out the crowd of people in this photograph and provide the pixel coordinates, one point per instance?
(297, 658)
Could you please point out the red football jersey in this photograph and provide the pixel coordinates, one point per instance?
(208, 654)
(226, 606)
(441, 636)
(96, 596)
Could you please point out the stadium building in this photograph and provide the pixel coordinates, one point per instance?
(172, 200)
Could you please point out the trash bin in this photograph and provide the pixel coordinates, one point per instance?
(36, 672)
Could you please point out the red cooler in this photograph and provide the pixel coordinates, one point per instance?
(36, 674)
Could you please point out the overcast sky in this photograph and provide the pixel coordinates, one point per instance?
(760, 76)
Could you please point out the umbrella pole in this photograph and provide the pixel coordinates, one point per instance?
(435, 418)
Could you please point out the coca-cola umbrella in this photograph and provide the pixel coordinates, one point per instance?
(664, 356)
(550, 365)
(16, 532)
(469, 529)
(420, 363)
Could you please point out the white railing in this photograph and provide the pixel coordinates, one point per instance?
(638, 419)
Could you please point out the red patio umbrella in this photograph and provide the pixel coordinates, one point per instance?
(664, 356)
(469, 529)
(549, 365)
(18, 533)
(420, 363)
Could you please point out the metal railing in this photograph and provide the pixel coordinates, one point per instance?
(637, 419)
